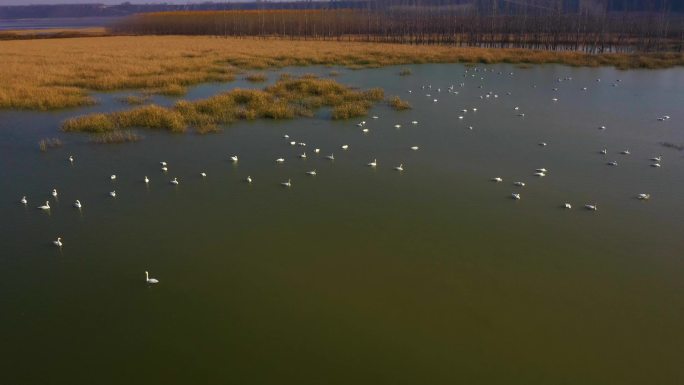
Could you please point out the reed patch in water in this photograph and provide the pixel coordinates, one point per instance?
(114, 137)
(48, 143)
(398, 104)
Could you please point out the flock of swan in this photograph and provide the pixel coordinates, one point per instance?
(473, 72)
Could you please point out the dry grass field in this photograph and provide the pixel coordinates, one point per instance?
(57, 73)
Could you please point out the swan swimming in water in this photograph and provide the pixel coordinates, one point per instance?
(162, 163)
(541, 170)
(248, 179)
(567, 206)
(414, 148)
(303, 155)
(54, 192)
(657, 158)
(287, 184)
(150, 280)
(539, 174)
(203, 174)
(23, 200)
(292, 143)
(414, 122)
(497, 179)
(613, 163)
(655, 165)
(164, 169)
(515, 196)
(625, 152)
(113, 177)
(312, 172)
(280, 160)
(77, 204)
(146, 180)
(519, 184)
(591, 207)
(345, 146)
(57, 242)
(46, 206)
(604, 151)
(374, 163)
(112, 194)
(317, 150)
(174, 181)
(71, 158)
(400, 167)
(644, 197)
(397, 126)
(234, 158)
(331, 157)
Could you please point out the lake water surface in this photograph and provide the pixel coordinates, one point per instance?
(433, 275)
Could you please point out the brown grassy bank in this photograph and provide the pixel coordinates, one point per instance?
(286, 99)
(58, 73)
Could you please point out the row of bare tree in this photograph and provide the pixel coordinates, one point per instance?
(462, 26)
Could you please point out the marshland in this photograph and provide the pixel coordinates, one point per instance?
(343, 212)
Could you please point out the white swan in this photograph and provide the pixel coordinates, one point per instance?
(657, 158)
(174, 181)
(57, 242)
(374, 163)
(146, 180)
(77, 204)
(567, 206)
(604, 151)
(591, 207)
(555, 99)
(150, 280)
(414, 122)
(303, 155)
(113, 177)
(203, 174)
(644, 196)
(364, 130)
(613, 163)
(345, 146)
(655, 165)
(164, 169)
(292, 143)
(542, 144)
(112, 194)
(374, 117)
(23, 200)
(162, 163)
(625, 152)
(286, 136)
(234, 158)
(539, 174)
(302, 144)
(248, 179)
(400, 167)
(71, 158)
(54, 192)
(280, 160)
(287, 184)
(515, 196)
(497, 179)
(46, 206)
(602, 127)
(414, 148)
(331, 157)
(519, 184)
(541, 170)
(397, 126)
(317, 150)
(312, 172)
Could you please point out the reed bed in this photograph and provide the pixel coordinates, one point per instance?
(286, 99)
(115, 137)
(398, 104)
(48, 143)
(58, 73)
(256, 77)
(134, 100)
(405, 72)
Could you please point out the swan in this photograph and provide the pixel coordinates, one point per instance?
(162, 163)
(644, 196)
(23, 200)
(555, 99)
(301, 144)
(657, 158)
(460, 118)
(613, 163)
(567, 206)
(303, 155)
(604, 151)
(400, 167)
(515, 196)
(397, 126)
(373, 163)
(602, 127)
(77, 204)
(312, 172)
(516, 108)
(542, 144)
(414, 122)
(286, 136)
(364, 130)
(345, 146)
(280, 160)
(591, 207)
(474, 109)
(248, 179)
(46, 206)
(146, 180)
(54, 192)
(112, 194)
(174, 181)
(359, 125)
(519, 184)
(539, 174)
(374, 117)
(150, 280)
(71, 158)
(57, 242)
(414, 148)
(113, 177)
(541, 170)
(287, 184)
(164, 169)
(522, 114)
(203, 174)
(292, 143)
(625, 152)
(234, 158)
(497, 179)
(655, 165)
(331, 157)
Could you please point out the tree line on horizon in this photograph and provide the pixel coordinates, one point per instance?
(410, 22)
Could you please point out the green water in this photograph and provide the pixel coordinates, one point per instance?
(433, 275)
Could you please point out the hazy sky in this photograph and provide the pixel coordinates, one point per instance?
(27, 2)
